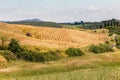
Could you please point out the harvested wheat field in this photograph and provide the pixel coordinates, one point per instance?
(2, 59)
(51, 37)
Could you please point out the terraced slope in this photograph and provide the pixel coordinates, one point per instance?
(51, 37)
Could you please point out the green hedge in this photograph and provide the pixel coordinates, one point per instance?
(101, 48)
(38, 56)
(74, 52)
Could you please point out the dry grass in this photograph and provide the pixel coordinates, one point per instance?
(51, 37)
(2, 59)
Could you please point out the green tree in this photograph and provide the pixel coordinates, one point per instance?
(14, 46)
(117, 39)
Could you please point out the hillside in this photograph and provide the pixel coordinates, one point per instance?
(89, 67)
(14, 66)
(31, 20)
(51, 37)
(35, 22)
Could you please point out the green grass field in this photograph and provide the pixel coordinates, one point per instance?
(58, 73)
(107, 73)
(104, 66)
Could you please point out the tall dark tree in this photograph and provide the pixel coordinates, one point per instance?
(83, 24)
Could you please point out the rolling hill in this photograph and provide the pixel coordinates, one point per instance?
(50, 37)
(69, 68)
(36, 22)
(30, 20)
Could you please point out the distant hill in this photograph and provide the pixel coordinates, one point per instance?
(36, 22)
(31, 20)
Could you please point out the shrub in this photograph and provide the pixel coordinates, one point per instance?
(52, 55)
(117, 42)
(107, 42)
(8, 55)
(3, 47)
(14, 46)
(95, 31)
(35, 56)
(97, 49)
(108, 48)
(113, 30)
(101, 48)
(74, 52)
(29, 55)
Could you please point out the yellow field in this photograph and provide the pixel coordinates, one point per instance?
(51, 37)
(2, 59)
